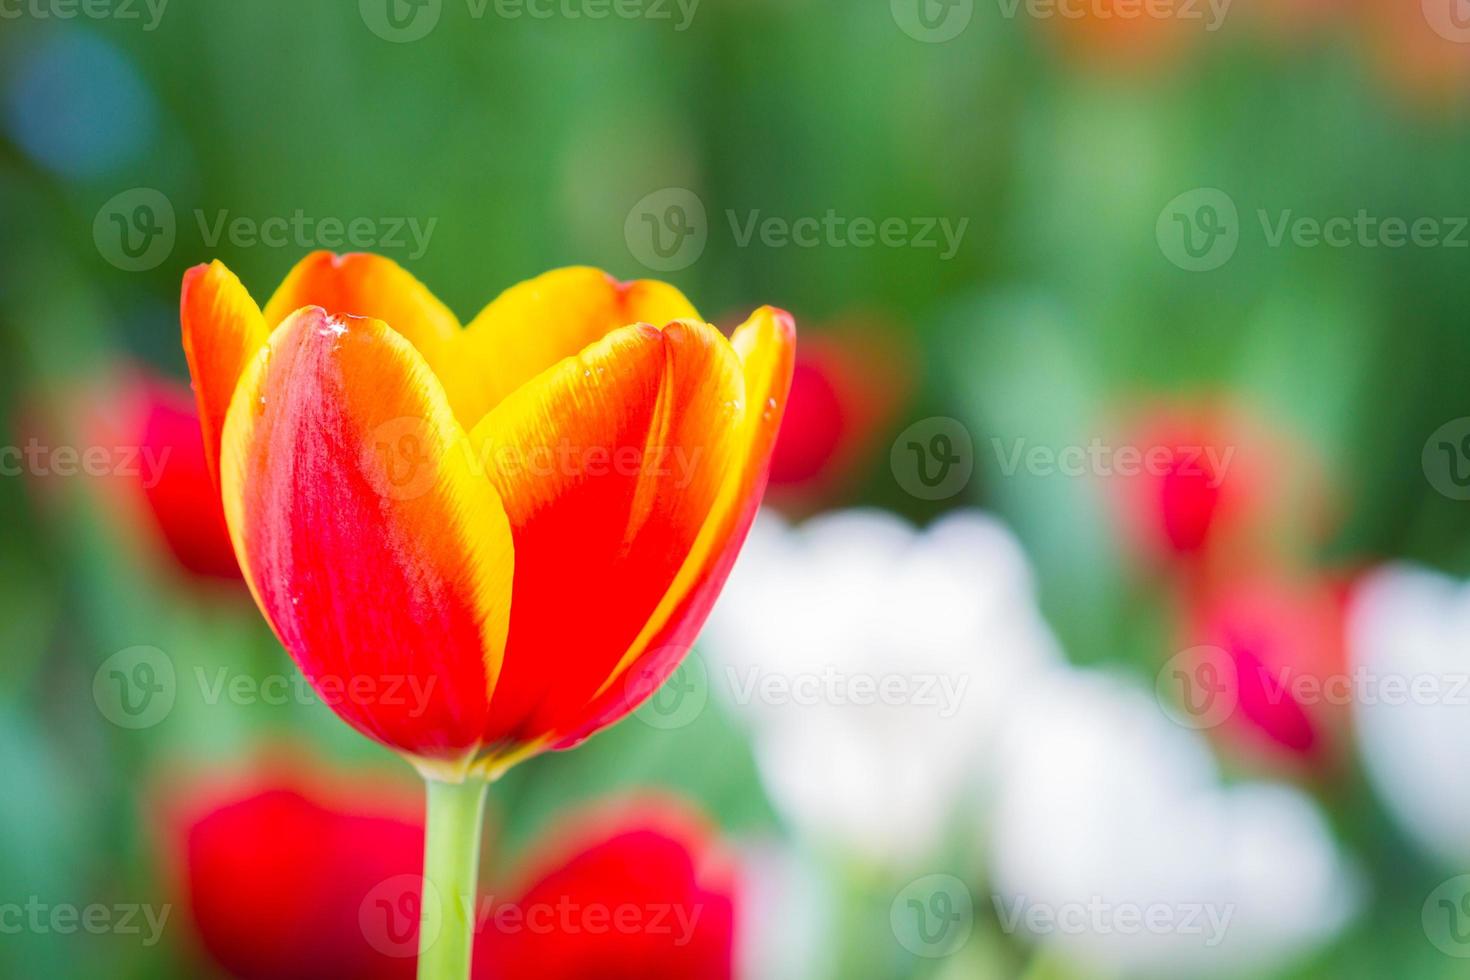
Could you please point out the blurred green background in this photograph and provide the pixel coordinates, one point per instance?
(521, 144)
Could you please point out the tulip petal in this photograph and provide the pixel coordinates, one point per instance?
(534, 324)
(223, 329)
(363, 284)
(381, 558)
(766, 345)
(608, 464)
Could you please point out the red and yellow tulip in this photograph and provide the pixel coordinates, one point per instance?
(519, 517)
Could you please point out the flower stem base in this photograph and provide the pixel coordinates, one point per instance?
(451, 870)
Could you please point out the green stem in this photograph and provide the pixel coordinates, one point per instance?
(451, 867)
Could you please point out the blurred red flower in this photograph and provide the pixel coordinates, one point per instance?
(158, 481)
(1213, 483)
(1276, 646)
(283, 870)
(292, 873)
(844, 389)
(636, 892)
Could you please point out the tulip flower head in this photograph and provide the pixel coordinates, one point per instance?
(523, 515)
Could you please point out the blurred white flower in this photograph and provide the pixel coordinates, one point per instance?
(1113, 840)
(876, 663)
(1409, 645)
